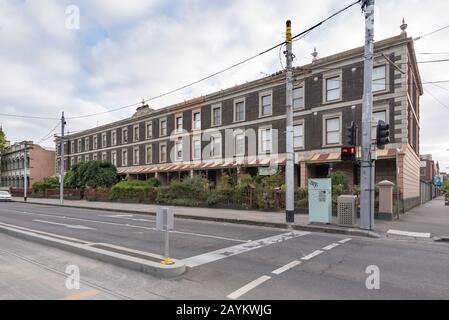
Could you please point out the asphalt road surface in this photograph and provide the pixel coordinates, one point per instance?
(282, 265)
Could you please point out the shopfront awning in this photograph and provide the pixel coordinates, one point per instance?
(336, 157)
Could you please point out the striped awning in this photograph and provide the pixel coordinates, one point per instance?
(335, 156)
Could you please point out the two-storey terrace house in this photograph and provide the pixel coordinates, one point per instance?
(243, 128)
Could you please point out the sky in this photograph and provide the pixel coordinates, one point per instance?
(121, 52)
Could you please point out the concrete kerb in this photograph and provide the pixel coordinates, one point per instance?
(311, 228)
(146, 266)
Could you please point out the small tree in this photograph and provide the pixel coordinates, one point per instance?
(92, 174)
(2, 140)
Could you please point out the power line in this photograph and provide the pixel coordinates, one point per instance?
(26, 117)
(430, 33)
(48, 135)
(220, 71)
(438, 100)
(434, 61)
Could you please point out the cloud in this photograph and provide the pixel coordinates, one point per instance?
(129, 50)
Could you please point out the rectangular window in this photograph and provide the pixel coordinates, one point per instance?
(266, 107)
(333, 86)
(149, 130)
(103, 140)
(215, 151)
(79, 146)
(197, 120)
(196, 148)
(162, 152)
(124, 158)
(149, 154)
(298, 98)
(124, 135)
(136, 160)
(86, 158)
(239, 144)
(95, 142)
(72, 162)
(178, 150)
(178, 124)
(377, 116)
(163, 127)
(95, 157)
(216, 115)
(239, 110)
(79, 159)
(379, 78)
(265, 140)
(298, 136)
(136, 133)
(333, 133)
(103, 156)
(114, 137)
(72, 147)
(86, 144)
(113, 157)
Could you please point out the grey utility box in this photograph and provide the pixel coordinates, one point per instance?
(347, 211)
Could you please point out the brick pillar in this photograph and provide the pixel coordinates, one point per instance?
(304, 174)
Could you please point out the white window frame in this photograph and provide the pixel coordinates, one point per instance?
(86, 158)
(104, 140)
(94, 157)
(124, 159)
(374, 124)
(136, 138)
(179, 116)
(114, 158)
(179, 148)
(160, 127)
(124, 141)
(148, 147)
(196, 139)
(79, 159)
(387, 71)
(114, 137)
(79, 146)
(301, 107)
(95, 142)
(261, 96)
(213, 108)
(136, 157)
(213, 138)
(261, 142)
(237, 133)
(300, 122)
(236, 103)
(72, 147)
(329, 76)
(86, 144)
(163, 144)
(72, 162)
(329, 117)
(149, 133)
(197, 111)
(104, 156)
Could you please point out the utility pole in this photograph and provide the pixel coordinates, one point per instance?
(289, 167)
(367, 164)
(62, 167)
(25, 174)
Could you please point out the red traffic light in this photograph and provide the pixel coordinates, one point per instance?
(348, 154)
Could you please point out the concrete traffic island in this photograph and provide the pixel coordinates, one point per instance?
(124, 257)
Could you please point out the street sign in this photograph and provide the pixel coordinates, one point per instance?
(320, 200)
(438, 181)
(165, 218)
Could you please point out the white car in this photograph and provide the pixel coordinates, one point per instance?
(5, 196)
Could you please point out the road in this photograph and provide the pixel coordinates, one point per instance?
(282, 266)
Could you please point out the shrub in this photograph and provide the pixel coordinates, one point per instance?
(194, 188)
(91, 174)
(46, 183)
(339, 178)
(136, 190)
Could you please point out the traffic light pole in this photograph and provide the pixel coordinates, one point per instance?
(290, 155)
(367, 168)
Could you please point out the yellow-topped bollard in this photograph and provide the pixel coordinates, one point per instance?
(167, 261)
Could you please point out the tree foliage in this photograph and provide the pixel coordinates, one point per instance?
(91, 174)
(2, 140)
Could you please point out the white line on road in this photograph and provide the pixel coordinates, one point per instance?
(409, 234)
(238, 293)
(115, 215)
(287, 267)
(312, 255)
(345, 240)
(331, 246)
(241, 248)
(71, 226)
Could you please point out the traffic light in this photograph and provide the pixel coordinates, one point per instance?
(351, 134)
(383, 134)
(349, 154)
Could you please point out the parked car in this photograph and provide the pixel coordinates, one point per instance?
(5, 196)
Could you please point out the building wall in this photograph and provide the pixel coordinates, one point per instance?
(41, 164)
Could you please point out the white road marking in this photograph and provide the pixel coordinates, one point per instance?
(312, 255)
(331, 246)
(409, 234)
(238, 293)
(115, 215)
(134, 226)
(70, 226)
(241, 248)
(127, 217)
(287, 267)
(345, 240)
